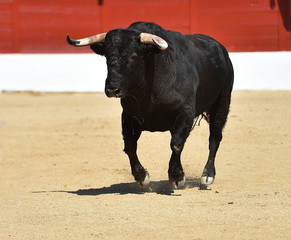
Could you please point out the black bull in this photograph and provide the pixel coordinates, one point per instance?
(166, 80)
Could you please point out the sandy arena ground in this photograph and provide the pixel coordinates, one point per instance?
(63, 174)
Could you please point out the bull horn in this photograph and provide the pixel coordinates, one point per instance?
(153, 39)
(86, 41)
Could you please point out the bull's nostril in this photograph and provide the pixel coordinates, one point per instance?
(117, 91)
(112, 92)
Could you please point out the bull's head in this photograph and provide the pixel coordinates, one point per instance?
(125, 51)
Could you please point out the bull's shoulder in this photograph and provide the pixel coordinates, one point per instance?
(199, 37)
(204, 42)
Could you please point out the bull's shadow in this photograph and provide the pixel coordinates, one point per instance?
(158, 187)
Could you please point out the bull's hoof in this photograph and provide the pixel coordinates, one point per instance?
(207, 180)
(208, 176)
(144, 180)
(177, 178)
(178, 183)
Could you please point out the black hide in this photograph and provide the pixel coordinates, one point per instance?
(164, 90)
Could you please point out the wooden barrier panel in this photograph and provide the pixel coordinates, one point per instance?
(34, 26)
(6, 26)
(171, 14)
(245, 25)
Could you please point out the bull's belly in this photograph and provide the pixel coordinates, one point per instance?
(152, 117)
(157, 122)
(154, 127)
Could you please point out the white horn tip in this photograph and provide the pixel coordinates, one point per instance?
(72, 41)
(162, 44)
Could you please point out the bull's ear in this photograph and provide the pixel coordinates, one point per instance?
(98, 48)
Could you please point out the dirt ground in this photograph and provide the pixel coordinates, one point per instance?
(63, 174)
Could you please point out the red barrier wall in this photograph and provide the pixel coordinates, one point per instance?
(36, 26)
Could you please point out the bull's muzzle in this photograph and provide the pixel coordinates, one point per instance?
(116, 92)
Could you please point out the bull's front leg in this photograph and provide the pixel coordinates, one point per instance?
(131, 132)
(180, 132)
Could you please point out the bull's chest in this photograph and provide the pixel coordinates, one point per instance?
(151, 117)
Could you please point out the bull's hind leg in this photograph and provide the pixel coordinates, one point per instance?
(131, 132)
(180, 132)
(218, 116)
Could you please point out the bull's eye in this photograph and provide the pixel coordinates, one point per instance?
(132, 57)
